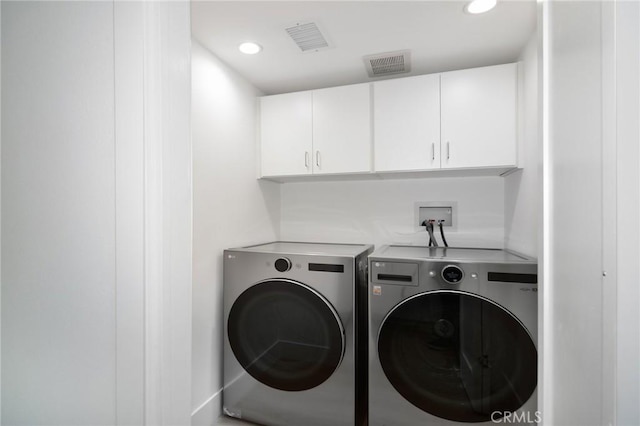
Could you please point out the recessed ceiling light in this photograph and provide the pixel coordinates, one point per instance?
(250, 48)
(480, 6)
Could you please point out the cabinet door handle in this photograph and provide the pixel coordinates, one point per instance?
(318, 159)
(306, 159)
(448, 150)
(433, 151)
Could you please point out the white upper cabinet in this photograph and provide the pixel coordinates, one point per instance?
(325, 131)
(286, 134)
(407, 123)
(460, 120)
(342, 129)
(479, 117)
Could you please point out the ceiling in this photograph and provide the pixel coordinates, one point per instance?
(439, 34)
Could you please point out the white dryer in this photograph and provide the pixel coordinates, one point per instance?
(291, 320)
(452, 336)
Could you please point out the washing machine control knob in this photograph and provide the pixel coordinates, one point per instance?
(282, 264)
(452, 274)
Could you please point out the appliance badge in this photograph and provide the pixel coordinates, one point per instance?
(377, 290)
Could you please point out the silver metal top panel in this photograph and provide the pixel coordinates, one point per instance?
(325, 249)
(393, 252)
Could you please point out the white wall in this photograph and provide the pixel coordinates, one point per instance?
(573, 246)
(96, 211)
(592, 235)
(231, 208)
(383, 211)
(523, 188)
(58, 220)
(167, 166)
(627, 175)
(0, 214)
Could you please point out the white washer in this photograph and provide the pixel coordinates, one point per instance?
(452, 336)
(291, 318)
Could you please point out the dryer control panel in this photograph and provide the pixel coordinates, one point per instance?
(282, 264)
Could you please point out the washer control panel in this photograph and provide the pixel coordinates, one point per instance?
(394, 273)
(452, 274)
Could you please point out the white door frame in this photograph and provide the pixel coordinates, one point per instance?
(153, 212)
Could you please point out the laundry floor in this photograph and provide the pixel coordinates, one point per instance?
(228, 421)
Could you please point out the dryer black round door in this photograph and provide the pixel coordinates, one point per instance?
(458, 356)
(286, 335)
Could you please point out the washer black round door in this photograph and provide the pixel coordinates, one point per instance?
(286, 335)
(458, 356)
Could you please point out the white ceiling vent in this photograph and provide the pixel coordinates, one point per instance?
(388, 63)
(308, 37)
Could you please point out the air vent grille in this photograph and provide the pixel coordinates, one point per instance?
(388, 63)
(308, 37)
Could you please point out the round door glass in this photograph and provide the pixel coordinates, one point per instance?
(458, 356)
(285, 335)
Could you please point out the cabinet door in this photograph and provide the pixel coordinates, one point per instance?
(285, 134)
(342, 129)
(406, 117)
(479, 117)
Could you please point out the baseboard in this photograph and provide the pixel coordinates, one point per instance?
(208, 412)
